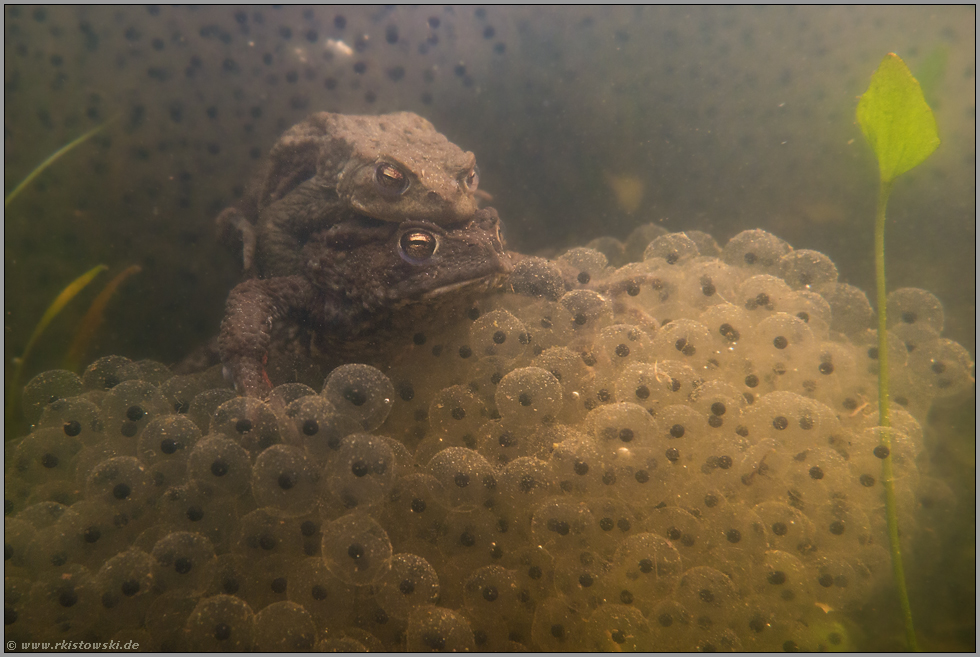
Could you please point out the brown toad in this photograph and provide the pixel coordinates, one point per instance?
(365, 284)
(331, 167)
(363, 228)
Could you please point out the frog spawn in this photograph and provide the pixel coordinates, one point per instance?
(676, 452)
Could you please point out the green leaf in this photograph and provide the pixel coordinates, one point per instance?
(896, 120)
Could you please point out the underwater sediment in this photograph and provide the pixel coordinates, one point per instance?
(656, 444)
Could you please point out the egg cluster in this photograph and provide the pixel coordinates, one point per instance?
(677, 451)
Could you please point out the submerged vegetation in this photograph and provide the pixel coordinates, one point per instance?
(93, 317)
(51, 159)
(66, 295)
(901, 129)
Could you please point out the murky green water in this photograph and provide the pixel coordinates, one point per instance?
(585, 122)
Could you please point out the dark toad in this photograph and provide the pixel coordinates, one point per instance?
(332, 167)
(362, 228)
(364, 285)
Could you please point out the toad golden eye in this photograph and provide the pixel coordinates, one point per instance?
(472, 179)
(390, 179)
(417, 246)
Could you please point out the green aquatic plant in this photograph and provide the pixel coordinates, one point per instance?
(897, 122)
(93, 319)
(39, 169)
(86, 330)
(66, 295)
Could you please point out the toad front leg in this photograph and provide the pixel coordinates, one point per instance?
(252, 309)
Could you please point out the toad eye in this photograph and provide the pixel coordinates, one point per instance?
(390, 179)
(472, 179)
(417, 246)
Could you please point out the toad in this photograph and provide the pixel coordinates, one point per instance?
(364, 284)
(361, 228)
(331, 167)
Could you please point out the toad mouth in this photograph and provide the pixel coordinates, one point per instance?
(473, 284)
(488, 280)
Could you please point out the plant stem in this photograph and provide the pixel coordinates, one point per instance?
(888, 476)
(884, 190)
